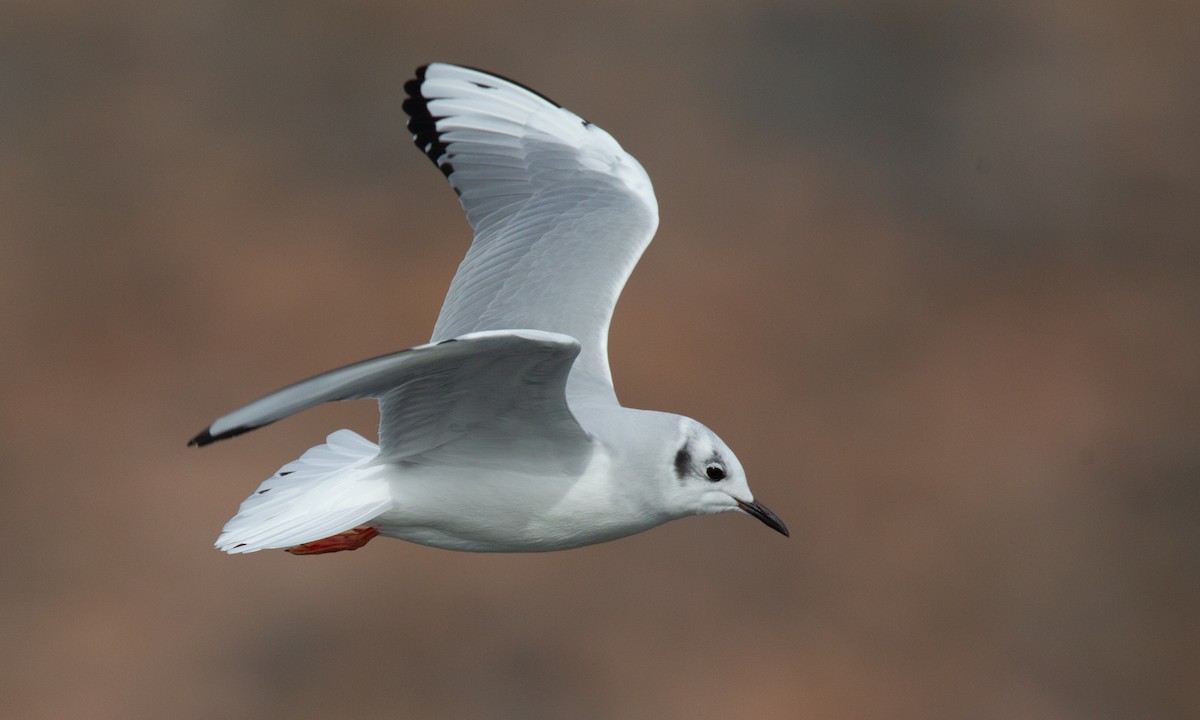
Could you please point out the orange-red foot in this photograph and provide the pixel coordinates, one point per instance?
(349, 540)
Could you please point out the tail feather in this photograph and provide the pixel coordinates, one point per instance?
(330, 489)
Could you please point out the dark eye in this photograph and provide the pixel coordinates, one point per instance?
(715, 472)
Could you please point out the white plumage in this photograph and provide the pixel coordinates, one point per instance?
(504, 432)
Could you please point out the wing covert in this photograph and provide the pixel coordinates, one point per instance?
(490, 394)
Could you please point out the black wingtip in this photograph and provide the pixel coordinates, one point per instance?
(204, 438)
(207, 438)
(422, 124)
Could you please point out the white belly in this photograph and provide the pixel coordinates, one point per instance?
(483, 510)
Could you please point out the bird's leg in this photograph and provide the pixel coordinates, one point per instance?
(349, 540)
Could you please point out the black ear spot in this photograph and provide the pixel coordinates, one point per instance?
(715, 472)
(683, 461)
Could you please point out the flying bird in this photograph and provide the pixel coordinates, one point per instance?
(503, 433)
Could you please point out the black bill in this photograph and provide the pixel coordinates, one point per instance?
(768, 518)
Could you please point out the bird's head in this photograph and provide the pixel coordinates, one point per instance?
(705, 477)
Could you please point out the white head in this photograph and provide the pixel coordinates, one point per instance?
(706, 477)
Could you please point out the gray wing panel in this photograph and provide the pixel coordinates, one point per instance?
(503, 394)
(478, 393)
(561, 213)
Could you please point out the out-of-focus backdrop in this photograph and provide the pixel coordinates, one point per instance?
(931, 268)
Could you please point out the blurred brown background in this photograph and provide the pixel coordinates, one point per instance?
(931, 268)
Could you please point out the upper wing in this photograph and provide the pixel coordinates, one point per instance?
(561, 213)
(493, 393)
(494, 389)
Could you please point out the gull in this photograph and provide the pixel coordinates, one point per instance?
(503, 433)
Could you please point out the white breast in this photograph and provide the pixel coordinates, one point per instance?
(481, 510)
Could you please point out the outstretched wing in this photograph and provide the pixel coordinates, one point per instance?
(561, 213)
(474, 396)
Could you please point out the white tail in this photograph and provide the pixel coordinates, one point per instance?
(330, 489)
